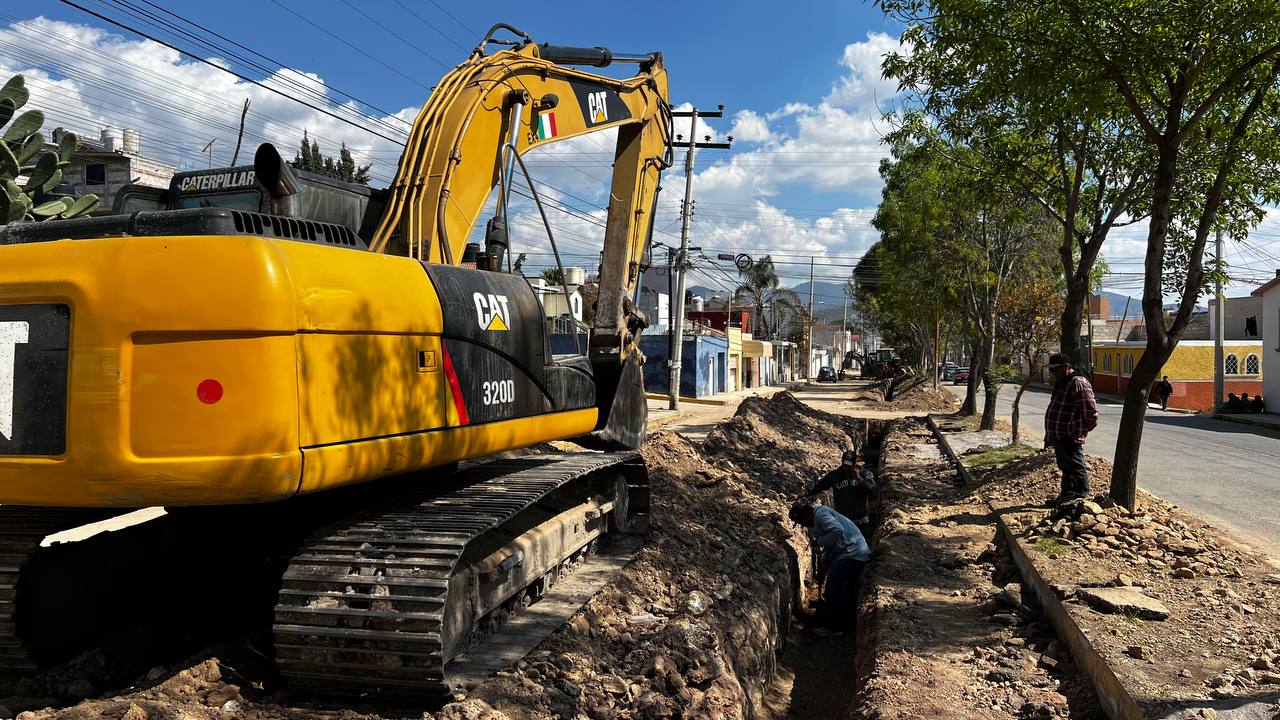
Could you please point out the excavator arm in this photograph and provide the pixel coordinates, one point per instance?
(495, 105)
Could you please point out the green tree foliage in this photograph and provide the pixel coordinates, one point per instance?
(954, 241)
(553, 276)
(762, 286)
(1054, 136)
(1194, 84)
(23, 154)
(310, 158)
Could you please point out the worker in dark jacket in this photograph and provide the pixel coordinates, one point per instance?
(844, 557)
(1163, 391)
(853, 487)
(1071, 414)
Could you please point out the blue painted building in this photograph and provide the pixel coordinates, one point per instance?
(704, 364)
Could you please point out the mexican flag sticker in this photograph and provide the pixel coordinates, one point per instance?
(546, 125)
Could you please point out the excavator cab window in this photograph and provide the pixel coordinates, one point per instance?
(248, 200)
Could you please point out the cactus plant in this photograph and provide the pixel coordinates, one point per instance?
(23, 153)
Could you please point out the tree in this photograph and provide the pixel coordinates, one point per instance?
(760, 282)
(1196, 84)
(1055, 138)
(553, 276)
(1028, 318)
(310, 158)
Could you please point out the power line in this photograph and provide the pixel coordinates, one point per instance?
(246, 78)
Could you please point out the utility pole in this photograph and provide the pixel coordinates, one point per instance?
(209, 149)
(808, 369)
(844, 331)
(1219, 329)
(682, 257)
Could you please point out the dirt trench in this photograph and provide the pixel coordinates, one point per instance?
(946, 629)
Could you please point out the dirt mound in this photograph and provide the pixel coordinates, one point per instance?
(781, 444)
(1035, 478)
(690, 628)
(909, 393)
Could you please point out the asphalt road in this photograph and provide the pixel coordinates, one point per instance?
(1223, 470)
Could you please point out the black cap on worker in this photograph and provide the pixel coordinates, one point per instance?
(850, 457)
(1058, 360)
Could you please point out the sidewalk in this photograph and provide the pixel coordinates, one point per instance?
(660, 414)
(1268, 420)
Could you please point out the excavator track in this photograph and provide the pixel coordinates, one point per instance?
(21, 532)
(370, 605)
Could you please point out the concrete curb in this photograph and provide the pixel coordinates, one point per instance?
(1115, 699)
(952, 458)
(1245, 421)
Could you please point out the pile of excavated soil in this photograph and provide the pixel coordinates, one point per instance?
(946, 632)
(1221, 639)
(781, 444)
(690, 628)
(910, 393)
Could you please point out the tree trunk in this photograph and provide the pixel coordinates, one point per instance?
(1072, 316)
(991, 390)
(1014, 416)
(990, 387)
(1124, 471)
(970, 406)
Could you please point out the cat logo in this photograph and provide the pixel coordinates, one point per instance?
(598, 107)
(492, 312)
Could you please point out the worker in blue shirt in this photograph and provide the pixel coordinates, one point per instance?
(853, 490)
(844, 558)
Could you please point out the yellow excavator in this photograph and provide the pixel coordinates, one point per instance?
(218, 357)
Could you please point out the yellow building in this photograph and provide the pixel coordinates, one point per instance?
(1190, 369)
(735, 358)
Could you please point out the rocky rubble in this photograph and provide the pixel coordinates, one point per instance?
(1132, 570)
(1151, 538)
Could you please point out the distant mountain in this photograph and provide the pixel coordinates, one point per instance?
(1115, 306)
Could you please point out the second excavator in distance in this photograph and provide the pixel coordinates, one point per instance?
(238, 352)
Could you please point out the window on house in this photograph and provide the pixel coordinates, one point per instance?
(1251, 365)
(1231, 365)
(1106, 362)
(1128, 364)
(95, 174)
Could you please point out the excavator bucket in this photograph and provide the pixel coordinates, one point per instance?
(624, 413)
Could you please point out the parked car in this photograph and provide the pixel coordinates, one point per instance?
(826, 374)
(949, 371)
(960, 377)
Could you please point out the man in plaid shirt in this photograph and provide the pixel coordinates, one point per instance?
(1072, 413)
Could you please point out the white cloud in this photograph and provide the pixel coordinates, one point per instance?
(749, 126)
(865, 83)
(87, 79)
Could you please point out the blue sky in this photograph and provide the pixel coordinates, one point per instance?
(800, 82)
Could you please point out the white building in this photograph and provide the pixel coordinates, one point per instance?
(105, 165)
(1270, 331)
(553, 301)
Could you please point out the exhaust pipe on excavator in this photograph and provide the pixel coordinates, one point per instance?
(277, 176)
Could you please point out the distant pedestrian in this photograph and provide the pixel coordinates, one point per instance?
(844, 558)
(1233, 403)
(1258, 405)
(1246, 405)
(1164, 390)
(1071, 414)
(853, 490)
